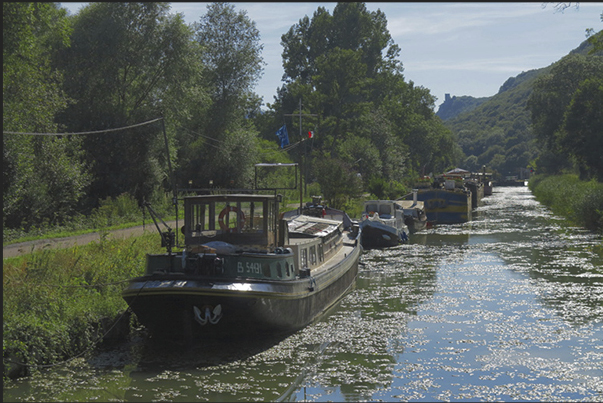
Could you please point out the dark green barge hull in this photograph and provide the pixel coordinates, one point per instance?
(179, 306)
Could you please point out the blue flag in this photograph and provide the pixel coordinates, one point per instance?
(283, 136)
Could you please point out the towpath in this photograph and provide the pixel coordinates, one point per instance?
(22, 248)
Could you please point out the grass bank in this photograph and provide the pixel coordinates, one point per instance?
(57, 304)
(579, 201)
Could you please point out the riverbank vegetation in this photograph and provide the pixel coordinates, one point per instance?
(581, 202)
(112, 213)
(58, 304)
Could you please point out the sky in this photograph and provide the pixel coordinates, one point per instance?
(449, 48)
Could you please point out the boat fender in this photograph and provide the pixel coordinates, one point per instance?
(240, 215)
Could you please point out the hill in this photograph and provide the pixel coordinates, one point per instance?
(496, 131)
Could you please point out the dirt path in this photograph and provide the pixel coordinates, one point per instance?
(23, 248)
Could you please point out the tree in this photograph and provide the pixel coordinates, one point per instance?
(582, 128)
(550, 100)
(43, 176)
(338, 180)
(225, 142)
(128, 63)
(344, 66)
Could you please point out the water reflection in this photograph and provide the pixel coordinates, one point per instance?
(564, 261)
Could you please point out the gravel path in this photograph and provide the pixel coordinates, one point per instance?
(23, 248)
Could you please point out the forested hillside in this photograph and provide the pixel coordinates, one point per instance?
(498, 133)
(454, 106)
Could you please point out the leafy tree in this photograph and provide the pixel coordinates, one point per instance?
(582, 130)
(550, 100)
(231, 55)
(338, 180)
(126, 65)
(225, 143)
(345, 67)
(43, 176)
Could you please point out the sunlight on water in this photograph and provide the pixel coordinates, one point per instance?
(506, 307)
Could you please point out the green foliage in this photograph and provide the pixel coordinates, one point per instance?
(56, 302)
(384, 190)
(43, 177)
(579, 201)
(566, 106)
(582, 130)
(126, 64)
(231, 54)
(338, 181)
(344, 66)
(222, 145)
(111, 214)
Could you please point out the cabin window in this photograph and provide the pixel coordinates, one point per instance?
(287, 269)
(270, 213)
(304, 258)
(384, 209)
(266, 270)
(321, 253)
(371, 208)
(313, 255)
(201, 218)
(279, 270)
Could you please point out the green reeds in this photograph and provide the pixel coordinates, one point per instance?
(579, 201)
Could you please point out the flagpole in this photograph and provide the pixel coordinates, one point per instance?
(301, 166)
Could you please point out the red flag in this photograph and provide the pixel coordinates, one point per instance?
(311, 134)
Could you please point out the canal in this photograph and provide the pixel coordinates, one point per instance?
(506, 307)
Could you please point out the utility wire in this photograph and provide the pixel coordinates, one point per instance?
(92, 132)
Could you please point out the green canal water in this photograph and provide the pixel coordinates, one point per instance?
(506, 307)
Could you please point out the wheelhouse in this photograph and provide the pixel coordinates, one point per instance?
(246, 220)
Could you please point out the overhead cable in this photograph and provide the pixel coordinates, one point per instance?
(92, 132)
